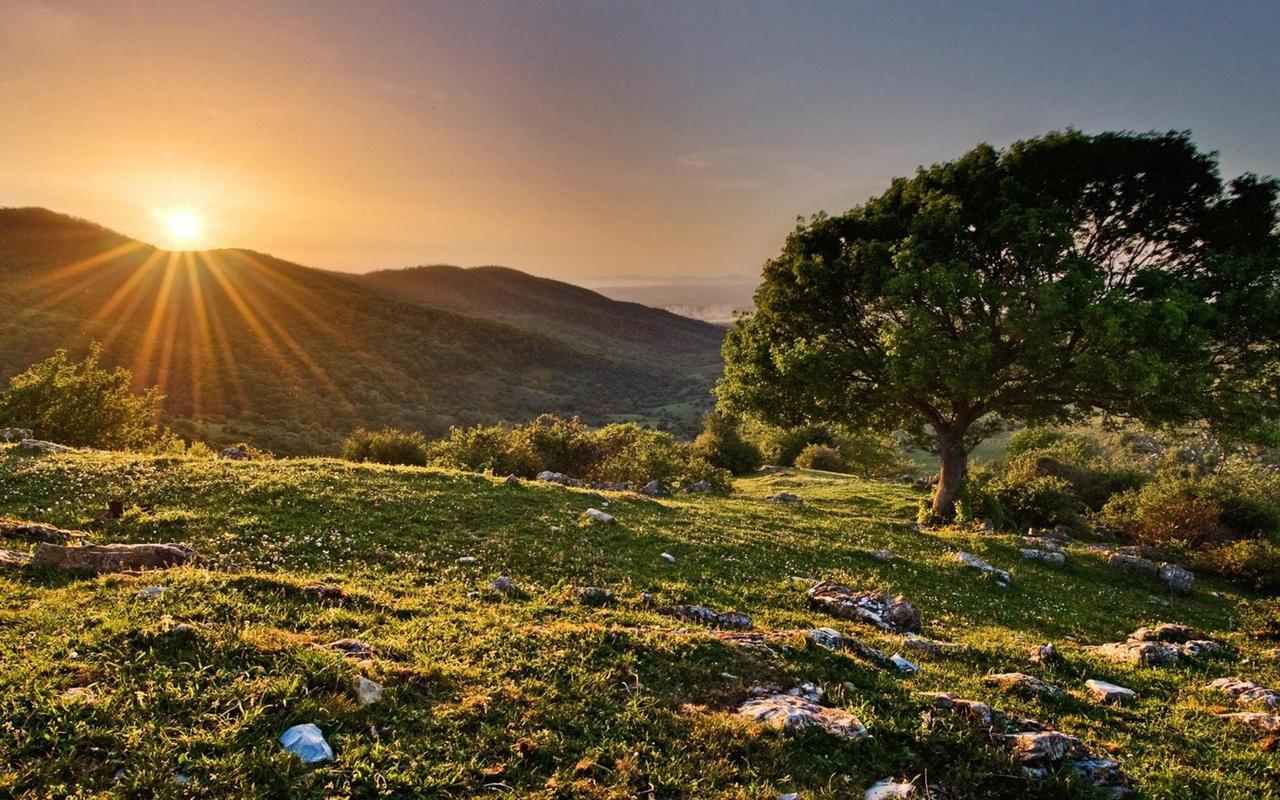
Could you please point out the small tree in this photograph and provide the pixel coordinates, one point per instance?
(1036, 284)
(721, 444)
(81, 404)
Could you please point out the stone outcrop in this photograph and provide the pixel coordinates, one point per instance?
(1158, 645)
(1248, 693)
(970, 560)
(99, 558)
(1108, 693)
(709, 616)
(872, 607)
(792, 713)
(1023, 684)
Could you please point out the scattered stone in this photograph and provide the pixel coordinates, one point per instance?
(933, 647)
(35, 532)
(235, 454)
(655, 489)
(149, 593)
(889, 789)
(99, 558)
(709, 616)
(1202, 647)
(503, 585)
(559, 477)
(792, 713)
(1108, 693)
(1044, 747)
(600, 517)
(883, 555)
(1248, 693)
(1130, 563)
(1042, 543)
(1149, 654)
(367, 692)
(785, 497)
(667, 557)
(43, 446)
(325, 591)
(975, 713)
(14, 434)
(1060, 533)
(700, 487)
(1023, 684)
(807, 691)
(970, 560)
(351, 648)
(1054, 558)
(1044, 654)
(593, 595)
(512, 480)
(830, 638)
(874, 607)
(1179, 578)
(1267, 723)
(903, 665)
(1165, 632)
(1106, 775)
(13, 560)
(307, 743)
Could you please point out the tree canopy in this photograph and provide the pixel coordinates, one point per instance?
(1064, 275)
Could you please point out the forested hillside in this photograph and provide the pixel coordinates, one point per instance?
(246, 346)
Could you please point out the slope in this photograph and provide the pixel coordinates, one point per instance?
(246, 346)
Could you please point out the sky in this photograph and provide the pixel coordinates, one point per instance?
(596, 142)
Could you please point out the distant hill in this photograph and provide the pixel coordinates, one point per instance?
(247, 346)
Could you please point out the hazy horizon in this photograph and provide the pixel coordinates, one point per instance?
(599, 144)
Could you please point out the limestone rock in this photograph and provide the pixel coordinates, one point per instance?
(600, 517)
(1023, 684)
(1104, 774)
(1054, 558)
(1139, 653)
(785, 497)
(932, 647)
(512, 480)
(36, 532)
(1266, 723)
(1130, 563)
(973, 712)
(1179, 578)
(873, 607)
(709, 616)
(1248, 693)
(559, 477)
(1165, 632)
(970, 560)
(794, 713)
(15, 434)
(1044, 654)
(351, 648)
(235, 454)
(99, 558)
(828, 638)
(44, 447)
(1108, 693)
(667, 557)
(367, 692)
(14, 559)
(655, 489)
(903, 665)
(593, 595)
(1044, 747)
(700, 487)
(307, 743)
(890, 789)
(503, 585)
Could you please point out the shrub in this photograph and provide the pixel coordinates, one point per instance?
(722, 445)
(1252, 562)
(1248, 495)
(820, 456)
(553, 443)
(1169, 511)
(1029, 439)
(871, 455)
(81, 404)
(1036, 502)
(628, 452)
(386, 446)
(483, 448)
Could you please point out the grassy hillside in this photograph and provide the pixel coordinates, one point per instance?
(538, 695)
(247, 346)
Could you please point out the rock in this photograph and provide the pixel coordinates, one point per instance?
(35, 532)
(548, 476)
(667, 557)
(593, 595)
(709, 616)
(512, 480)
(931, 646)
(1179, 578)
(366, 691)
(15, 434)
(1165, 632)
(1054, 558)
(889, 789)
(78, 694)
(655, 489)
(1128, 563)
(1266, 723)
(873, 607)
(324, 591)
(794, 714)
(599, 517)
(465, 560)
(903, 665)
(99, 558)
(976, 714)
(648, 600)
(149, 593)
(14, 560)
(307, 743)
(883, 555)
(351, 648)
(970, 560)
(830, 638)
(1042, 543)
(785, 497)
(1149, 654)
(1248, 693)
(1202, 647)
(1044, 654)
(700, 487)
(44, 447)
(806, 691)
(1104, 774)
(1108, 693)
(1023, 684)
(503, 585)
(1060, 533)
(1044, 748)
(235, 454)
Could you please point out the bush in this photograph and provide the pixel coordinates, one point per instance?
(484, 448)
(1037, 502)
(1252, 562)
(386, 446)
(1165, 512)
(81, 404)
(627, 452)
(1248, 495)
(553, 443)
(871, 455)
(721, 444)
(820, 456)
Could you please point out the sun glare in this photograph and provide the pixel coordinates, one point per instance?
(184, 226)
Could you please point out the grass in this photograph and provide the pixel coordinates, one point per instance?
(538, 695)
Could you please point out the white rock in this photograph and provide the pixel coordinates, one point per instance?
(367, 692)
(794, 713)
(970, 560)
(307, 743)
(902, 664)
(667, 557)
(1108, 692)
(889, 789)
(467, 560)
(600, 517)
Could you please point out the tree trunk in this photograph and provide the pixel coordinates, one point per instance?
(955, 464)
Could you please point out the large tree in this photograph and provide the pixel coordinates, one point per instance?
(1065, 275)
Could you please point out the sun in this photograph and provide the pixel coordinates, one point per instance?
(184, 226)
